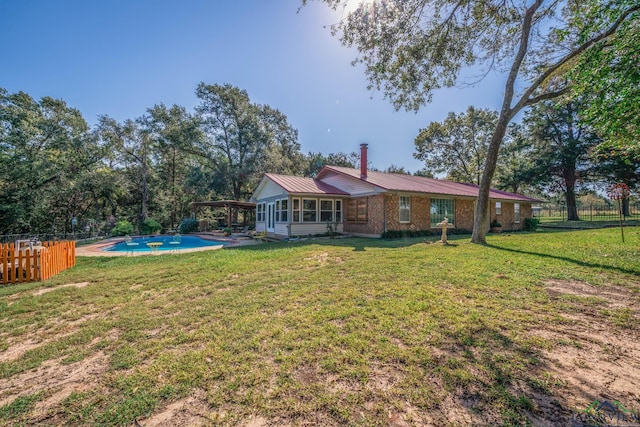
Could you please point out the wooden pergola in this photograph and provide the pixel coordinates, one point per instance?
(231, 206)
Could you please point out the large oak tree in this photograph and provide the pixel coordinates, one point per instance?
(560, 148)
(411, 48)
(458, 145)
(244, 139)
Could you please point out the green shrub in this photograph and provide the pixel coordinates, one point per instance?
(122, 228)
(401, 234)
(150, 226)
(188, 226)
(495, 224)
(531, 224)
(398, 234)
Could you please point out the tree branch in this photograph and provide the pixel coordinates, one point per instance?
(547, 95)
(525, 99)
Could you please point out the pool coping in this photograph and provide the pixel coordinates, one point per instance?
(97, 249)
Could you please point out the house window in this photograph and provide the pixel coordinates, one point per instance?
(309, 210)
(498, 208)
(516, 212)
(282, 210)
(338, 204)
(260, 212)
(405, 209)
(441, 208)
(357, 210)
(296, 210)
(326, 210)
(284, 205)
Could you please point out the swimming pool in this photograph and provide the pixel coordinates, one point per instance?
(163, 243)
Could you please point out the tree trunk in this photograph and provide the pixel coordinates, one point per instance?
(572, 210)
(481, 217)
(625, 207)
(570, 192)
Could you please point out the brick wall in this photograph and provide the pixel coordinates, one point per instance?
(375, 218)
(420, 206)
(420, 215)
(464, 214)
(506, 218)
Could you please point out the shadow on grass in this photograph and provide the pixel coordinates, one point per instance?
(359, 244)
(569, 260)
(510, 389)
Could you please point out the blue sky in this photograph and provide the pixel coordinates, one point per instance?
(120, 57)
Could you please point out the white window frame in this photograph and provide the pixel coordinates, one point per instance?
(321, 211)
(282, 210)
(260, 212)
(498, 208)
(516, 213)
(296, 213)
(315, 212)
(337, 208)
(404, 207)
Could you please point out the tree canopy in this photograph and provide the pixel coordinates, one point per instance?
(561, 144)
(411, 48)
(242, 139)
(54, 167)
(457, 146)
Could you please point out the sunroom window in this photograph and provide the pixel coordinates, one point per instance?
(309, 210)
(326, 210)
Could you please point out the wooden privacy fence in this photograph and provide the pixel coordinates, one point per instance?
(35, 262)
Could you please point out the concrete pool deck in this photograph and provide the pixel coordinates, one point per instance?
(98, 248)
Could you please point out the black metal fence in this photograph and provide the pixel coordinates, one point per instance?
(591, 212)
(48, 237)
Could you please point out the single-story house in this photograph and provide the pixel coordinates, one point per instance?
(368, 203)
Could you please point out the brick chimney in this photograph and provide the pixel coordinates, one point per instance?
(363, 161)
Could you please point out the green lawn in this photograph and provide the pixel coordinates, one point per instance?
(325, 332)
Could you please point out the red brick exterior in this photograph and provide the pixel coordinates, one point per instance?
(375, 218)
(419, 213)
(507, 217)
(465, 210)
(386, 208)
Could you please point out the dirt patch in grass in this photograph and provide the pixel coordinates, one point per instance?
(593, 356)
(56, 380)
(189, 411)
(69, 285)
(324, 258)
(53, 332)
(614, 296)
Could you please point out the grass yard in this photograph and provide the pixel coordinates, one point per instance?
(330, 332)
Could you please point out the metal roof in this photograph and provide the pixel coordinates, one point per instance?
(419, 184)
(304, 185)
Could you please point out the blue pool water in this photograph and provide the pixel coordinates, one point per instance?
(186, 242)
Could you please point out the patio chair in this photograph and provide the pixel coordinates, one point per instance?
(245, 232)
(175, 241)
(262, 236)
(131, 245)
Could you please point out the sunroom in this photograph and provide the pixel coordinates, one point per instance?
(297, 206)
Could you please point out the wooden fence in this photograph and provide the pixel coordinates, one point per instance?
(34, 263)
